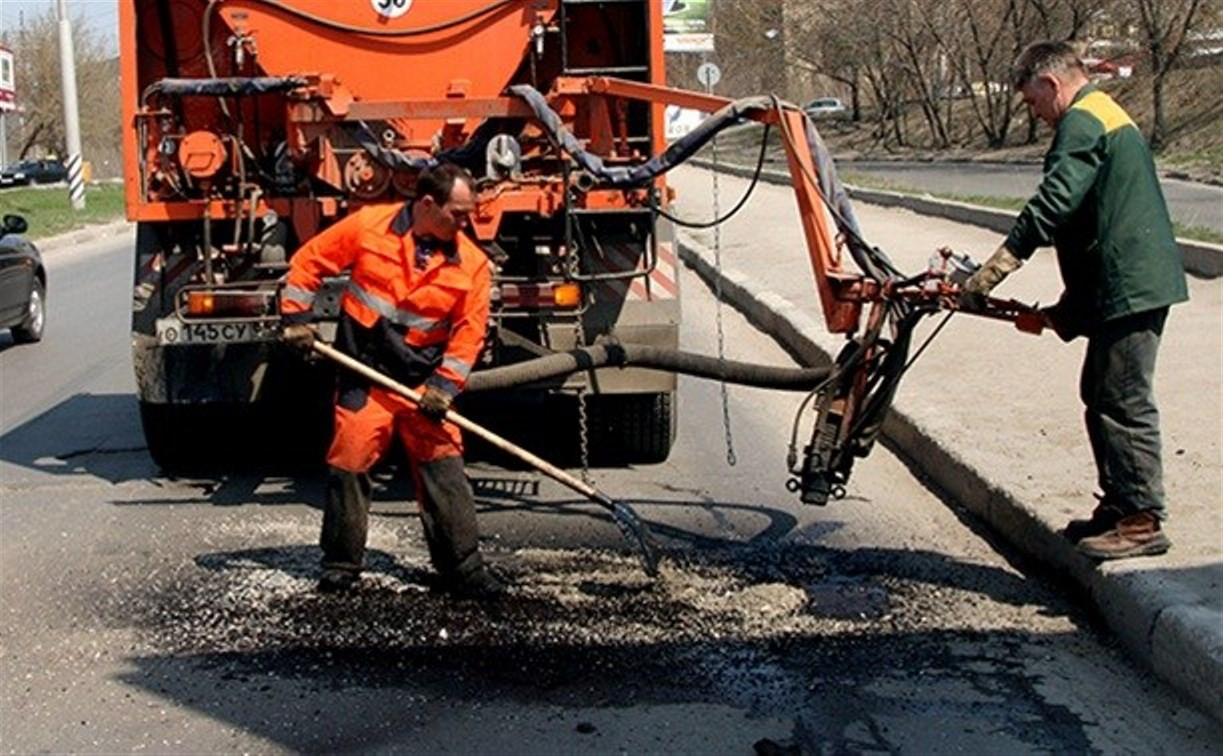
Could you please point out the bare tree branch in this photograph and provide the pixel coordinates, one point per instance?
(1165, 25)
(38, 125)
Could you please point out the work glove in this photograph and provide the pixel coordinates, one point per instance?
(434, 403)
(300, 338)
(1057, 318)
(1000, 265)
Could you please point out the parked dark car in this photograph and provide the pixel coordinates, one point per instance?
(23, 283)
(33, 172)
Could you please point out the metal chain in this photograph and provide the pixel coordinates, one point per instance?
(731, 459)
(579, 336)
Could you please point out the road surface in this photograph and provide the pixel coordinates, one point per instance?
(140, 612)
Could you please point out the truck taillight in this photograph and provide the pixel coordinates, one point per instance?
(567, 295)
(547, 295)
(221, 303)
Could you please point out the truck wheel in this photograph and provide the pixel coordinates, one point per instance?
(199, 438)
(30, 329)
(168, 434)
(190, 438)
(632, 428)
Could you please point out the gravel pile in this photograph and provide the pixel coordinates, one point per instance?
(264, 599)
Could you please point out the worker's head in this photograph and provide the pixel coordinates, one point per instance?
(445, 200)
(1048, 75)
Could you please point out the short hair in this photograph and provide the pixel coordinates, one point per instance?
(1049, 56)
(438, 181)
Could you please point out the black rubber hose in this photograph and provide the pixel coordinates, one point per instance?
(230, 86)
(644, 356)
(635, 175)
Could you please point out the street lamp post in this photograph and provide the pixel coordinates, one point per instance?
(72, 121)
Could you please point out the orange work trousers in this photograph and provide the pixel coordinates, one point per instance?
(363, 435)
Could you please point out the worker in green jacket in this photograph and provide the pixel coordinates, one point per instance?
(1101, 207)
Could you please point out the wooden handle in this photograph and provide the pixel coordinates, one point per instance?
(505, 445)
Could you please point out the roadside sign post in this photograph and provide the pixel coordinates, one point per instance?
(8, 99)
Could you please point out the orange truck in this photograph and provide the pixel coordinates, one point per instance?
(254, 124)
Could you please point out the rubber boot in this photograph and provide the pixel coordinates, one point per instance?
(448, 512)
(345, 526)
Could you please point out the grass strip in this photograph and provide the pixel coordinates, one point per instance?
(1182, 230)
(48, 210)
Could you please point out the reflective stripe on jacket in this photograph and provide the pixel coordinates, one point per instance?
(417, 322)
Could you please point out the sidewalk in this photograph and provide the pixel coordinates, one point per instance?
(82, 235)
(992, 415)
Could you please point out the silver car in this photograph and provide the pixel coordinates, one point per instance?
(825, 107)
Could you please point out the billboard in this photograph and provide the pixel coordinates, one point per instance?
(8, 89)
(687, 25)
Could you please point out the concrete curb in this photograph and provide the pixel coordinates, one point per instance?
(1165, 628)
(81, 235)
(1035, 161)
(1201, 258)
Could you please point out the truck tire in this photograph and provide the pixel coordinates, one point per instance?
(168, 435)
(197, 438)
(632, 428)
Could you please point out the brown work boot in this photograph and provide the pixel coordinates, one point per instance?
(1103, 519)
(1135, 535)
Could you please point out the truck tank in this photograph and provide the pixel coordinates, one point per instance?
(254, 124)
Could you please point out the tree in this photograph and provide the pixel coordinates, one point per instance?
(831, 39)
(918, 50)
(1165, 26)
(39, 125)
(750, 47)
(1066, 19)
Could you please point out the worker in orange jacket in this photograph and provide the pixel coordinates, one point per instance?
(415, 308)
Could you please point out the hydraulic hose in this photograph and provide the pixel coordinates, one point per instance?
(230, 86)
(645, 356)
(636, 175)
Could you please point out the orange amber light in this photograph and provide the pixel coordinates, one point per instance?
(567, 295)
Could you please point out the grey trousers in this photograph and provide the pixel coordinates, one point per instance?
(1117, 388)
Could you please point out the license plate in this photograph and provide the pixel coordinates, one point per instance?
(175, 331)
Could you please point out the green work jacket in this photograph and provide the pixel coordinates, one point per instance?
(1101, 207)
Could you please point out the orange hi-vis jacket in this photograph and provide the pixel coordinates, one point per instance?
(414, 308)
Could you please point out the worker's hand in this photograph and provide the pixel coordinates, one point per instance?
(300, 337)
(1000, 265)
(1057, 318)
(434, 403)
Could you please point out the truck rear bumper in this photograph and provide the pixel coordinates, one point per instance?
(241, 373)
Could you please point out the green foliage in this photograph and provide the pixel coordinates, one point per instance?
(48, 211)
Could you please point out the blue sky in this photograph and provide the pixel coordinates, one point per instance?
(102, 16)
